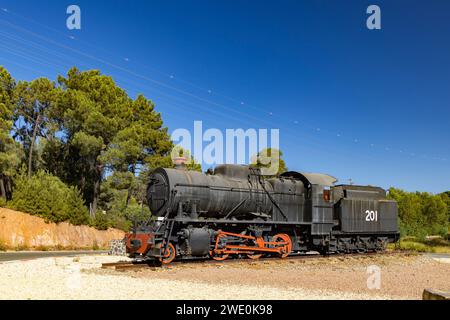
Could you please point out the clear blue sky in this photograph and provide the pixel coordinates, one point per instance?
(386, 93)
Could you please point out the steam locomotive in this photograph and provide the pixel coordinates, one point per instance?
(234, 211)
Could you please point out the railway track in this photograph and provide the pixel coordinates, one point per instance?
(153, 265)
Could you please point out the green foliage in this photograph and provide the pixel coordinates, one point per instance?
(92, 110)
(22, 247)
(104, 131)
(42, 248)
(7, 87)
(10, 156)
(446, 198)
(77, 213)
(435, 245)
(46, 196)
(3, 246)
(35, 104)
(10, 151)
(421, 213)
(95, 245)
(80, 129)
(100, 221)
(136, 212)
(123, 201)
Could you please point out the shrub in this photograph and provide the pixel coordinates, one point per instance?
(414, 246)
(78, 214)
(120, 223)
(3, 246)
(22, 247)
(100, 221)
(421, 213)
(436, 245)
(46, 196)
(121, 208)
(42, 248)
(95, 246)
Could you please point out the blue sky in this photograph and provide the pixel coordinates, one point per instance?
(370, 105)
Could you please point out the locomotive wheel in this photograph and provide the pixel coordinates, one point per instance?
(218, 257)
(220, 243)
(169, 254)
(260, 244)
(380, 246)
(287, 247)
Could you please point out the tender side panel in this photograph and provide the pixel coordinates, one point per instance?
(367, 216)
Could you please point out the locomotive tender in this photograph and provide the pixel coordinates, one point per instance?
(235, 211)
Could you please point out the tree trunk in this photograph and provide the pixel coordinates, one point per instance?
(133, 171)
(33, 140)
(8, 188)
(128, 198)
(2, 187)
(95, 196)
(96, 193)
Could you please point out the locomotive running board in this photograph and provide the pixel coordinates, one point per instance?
(252, 222)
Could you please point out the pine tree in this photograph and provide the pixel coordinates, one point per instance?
(10, 151)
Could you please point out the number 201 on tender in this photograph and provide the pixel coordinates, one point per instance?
(371, 215)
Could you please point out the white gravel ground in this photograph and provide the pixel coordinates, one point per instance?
(73, 278)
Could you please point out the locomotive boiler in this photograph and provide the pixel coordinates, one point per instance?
(235, 211)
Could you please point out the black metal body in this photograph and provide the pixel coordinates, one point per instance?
(191, 207)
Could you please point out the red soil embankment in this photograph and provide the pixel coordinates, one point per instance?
(21, 230)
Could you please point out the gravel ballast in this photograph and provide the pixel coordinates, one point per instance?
(334, 278)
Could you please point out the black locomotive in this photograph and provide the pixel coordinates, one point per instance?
(235, 211)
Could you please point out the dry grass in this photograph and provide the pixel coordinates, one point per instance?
(22, 247)
(3, 246)
(42, 248)
(434, 245)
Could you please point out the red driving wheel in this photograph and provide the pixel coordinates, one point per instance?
(286, 242)
(169, 253)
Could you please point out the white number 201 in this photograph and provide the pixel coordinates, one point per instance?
(372, 215)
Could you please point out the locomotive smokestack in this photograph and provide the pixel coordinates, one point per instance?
(180, 163)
